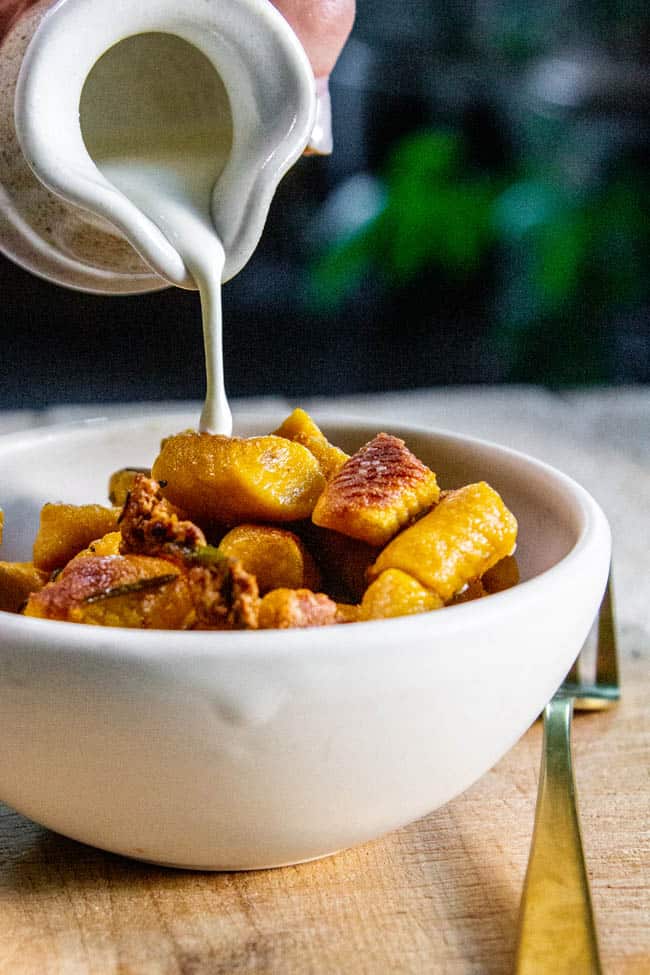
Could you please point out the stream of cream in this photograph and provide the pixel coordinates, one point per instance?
(176, 195)
(156, 120)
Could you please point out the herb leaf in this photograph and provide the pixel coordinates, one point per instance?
(141, 585)
(207, 555)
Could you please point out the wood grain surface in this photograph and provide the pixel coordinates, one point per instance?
(439, 896)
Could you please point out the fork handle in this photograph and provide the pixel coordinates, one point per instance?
(557, 933)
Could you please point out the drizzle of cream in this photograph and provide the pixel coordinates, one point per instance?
(156, 121)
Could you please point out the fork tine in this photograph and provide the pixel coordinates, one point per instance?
(607, 657)
(604, 691)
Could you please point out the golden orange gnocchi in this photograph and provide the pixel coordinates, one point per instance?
(270, 532)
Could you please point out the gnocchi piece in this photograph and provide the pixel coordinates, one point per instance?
(468, 532)
(276, 557)
(106, 545)
(232, 479)
(66, 529)
(281, 609)
(347, 613)
(300, 428)
(396, 593)
(117, 590)
(376, 492)
(17, 581)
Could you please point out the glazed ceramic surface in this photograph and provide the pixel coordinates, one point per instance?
(253, 749)
(72, 224)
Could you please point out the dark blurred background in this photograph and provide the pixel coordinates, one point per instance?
(484, 218)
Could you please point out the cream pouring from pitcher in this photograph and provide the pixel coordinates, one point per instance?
(217, 98)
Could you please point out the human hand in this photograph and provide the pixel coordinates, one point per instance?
(322, 26)
(9, 10)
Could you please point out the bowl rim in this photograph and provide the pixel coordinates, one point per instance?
(593, 532)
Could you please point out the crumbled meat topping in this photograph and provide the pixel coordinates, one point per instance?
(150, 525)
(225, 596)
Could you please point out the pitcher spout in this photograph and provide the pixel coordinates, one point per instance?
(194, 92)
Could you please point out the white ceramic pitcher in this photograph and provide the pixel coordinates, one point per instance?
(70, 65)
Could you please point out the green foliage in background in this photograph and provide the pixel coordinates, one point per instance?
(431, 216)
(568, 257)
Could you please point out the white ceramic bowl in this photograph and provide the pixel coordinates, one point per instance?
(254, 749)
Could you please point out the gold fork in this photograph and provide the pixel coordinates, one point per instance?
(557, 931)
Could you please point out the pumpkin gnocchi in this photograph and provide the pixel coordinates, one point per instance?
(270, 532)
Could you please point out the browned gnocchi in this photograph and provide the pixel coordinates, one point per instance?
(270, 532)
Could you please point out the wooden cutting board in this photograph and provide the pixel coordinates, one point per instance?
(440, 895)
